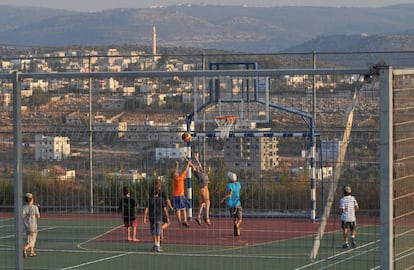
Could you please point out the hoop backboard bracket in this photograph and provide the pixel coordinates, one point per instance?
(246, 97)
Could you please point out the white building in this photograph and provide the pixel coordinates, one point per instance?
(257, 153)
(112, 104)
(170, 153)
(5, 99)
(60, 174)
(103, 126)
(252, 153)
(131, 175)
(330, 150)
(325, 172)
(167, 132)
(51, 148)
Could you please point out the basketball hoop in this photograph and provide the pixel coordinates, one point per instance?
(224, 123)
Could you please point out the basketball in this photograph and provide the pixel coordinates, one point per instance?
(186, 137)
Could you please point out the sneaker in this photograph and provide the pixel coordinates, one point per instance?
(353, 243)
(207, 220)
(159, 249)
(345, 245)
(236, 230)
(185, 225)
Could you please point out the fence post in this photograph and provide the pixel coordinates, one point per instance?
(386, 167)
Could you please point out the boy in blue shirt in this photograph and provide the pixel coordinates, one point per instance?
(232, 199)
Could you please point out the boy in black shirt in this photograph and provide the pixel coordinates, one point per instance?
(128, 205)
(154, 211)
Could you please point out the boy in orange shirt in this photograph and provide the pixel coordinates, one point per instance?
(178, 198)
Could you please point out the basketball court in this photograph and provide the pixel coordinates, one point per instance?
(87, 241)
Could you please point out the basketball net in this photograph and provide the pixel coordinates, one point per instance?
(224, 124)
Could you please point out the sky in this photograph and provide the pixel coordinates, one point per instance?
(99, 5)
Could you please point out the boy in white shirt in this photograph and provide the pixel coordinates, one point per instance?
(30, 216)
(348, 205)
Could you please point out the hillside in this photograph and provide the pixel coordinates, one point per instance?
(357, 43)
(235, 28)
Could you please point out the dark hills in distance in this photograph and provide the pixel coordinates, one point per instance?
(230, 28)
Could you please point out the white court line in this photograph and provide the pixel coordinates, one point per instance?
(403, 257)
(80, 245)
(6, 219)
(95, 261)
(349, 258)
(339, 254)
(167, 253)
(41, 230)
(376, 267)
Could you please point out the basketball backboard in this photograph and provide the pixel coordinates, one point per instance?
(247, 98)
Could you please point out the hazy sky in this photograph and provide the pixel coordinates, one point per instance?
(99, 5)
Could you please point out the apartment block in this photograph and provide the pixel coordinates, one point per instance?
(51, 148)
(251, 153)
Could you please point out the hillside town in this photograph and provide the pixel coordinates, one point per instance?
(134, 114)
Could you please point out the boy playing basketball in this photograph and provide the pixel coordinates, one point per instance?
(127, 205)
(348, 205)
(232, 199)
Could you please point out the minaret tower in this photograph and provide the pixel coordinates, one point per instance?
(154, 42)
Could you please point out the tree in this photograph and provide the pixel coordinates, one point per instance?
(39, 97)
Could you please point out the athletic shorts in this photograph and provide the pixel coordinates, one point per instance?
(179, 202)
(131, 223)
(155, 227)
(236, 212)
(164, 219)
(31, 238)
(348, 224)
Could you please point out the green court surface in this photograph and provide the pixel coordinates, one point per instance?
(89, 243)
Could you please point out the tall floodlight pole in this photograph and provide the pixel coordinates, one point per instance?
(203, 97)
(18, 178)
(90, 138)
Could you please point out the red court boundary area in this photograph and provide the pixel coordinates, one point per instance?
(220, 233)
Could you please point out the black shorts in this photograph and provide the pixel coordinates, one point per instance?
(236, 212)
(348, 224)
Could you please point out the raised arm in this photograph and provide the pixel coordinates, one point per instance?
(187, 165)
(190, 164)
(177, 165)
(198, 161)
